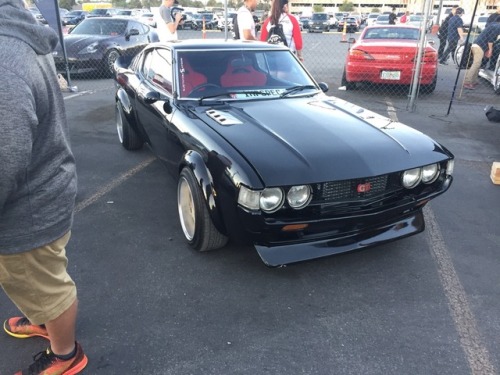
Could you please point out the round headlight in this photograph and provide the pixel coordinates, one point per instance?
(271, 199)
(298, 196)
(430, 173)
(411, 178)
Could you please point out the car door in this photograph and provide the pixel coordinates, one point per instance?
(157, 77)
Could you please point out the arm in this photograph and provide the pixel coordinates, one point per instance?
(172, 26)
(297, 37)
(17, 126)
(488, 53)
(263, 30)
(247, 35)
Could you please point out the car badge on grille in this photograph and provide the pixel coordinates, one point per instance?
(364, 188)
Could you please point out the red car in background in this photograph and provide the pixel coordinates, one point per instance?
(387, 54)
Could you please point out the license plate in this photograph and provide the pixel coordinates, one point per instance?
(393, 75)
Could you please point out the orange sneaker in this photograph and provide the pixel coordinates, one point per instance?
(47, 363)
(22, 328)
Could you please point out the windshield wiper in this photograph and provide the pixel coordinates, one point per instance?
(249, 95)
(293, 89)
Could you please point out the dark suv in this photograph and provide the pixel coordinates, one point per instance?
(319, 22)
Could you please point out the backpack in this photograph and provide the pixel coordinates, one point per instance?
(276, 35)
(236, 29)
(492, 114)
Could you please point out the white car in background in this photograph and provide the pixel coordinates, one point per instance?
(147, 18)
(372, 17)
(480, 23)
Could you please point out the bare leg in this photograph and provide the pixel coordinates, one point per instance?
(62, 331)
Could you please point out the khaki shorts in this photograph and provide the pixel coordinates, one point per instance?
(37, 281)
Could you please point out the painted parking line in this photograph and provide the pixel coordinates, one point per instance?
(475, 350)
(470, 339)
(113, 184)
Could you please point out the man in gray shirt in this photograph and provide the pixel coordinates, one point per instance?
(171, 23)
(37, 192)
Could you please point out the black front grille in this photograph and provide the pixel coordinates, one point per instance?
(356, 189)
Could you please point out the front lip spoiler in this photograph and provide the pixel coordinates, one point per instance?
(280, 255)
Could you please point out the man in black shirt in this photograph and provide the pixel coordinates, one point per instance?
(443, 32)
(455, 34)
(482, 47)
(392, 17)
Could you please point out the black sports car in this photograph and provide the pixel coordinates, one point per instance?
(263, 156)
(74, 17)
(95, 43)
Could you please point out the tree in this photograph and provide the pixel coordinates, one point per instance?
(346, 6)
(375, 10)
(318, 8)
(67, 4)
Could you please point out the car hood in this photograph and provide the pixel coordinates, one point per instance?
(311, 140)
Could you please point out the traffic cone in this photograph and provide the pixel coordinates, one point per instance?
(344, 32)
(203, 31)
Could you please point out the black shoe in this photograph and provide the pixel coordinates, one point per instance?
(443, 63)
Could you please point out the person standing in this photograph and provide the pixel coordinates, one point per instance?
(404, 18)
(291, 28)
(455, 35)
(37, 193)
(246, 23)
(482, 47)
(171, 23)
(393, 17)
(443, 32)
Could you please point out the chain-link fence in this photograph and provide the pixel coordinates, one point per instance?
(396, 63)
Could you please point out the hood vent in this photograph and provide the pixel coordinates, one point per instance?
(223, 118)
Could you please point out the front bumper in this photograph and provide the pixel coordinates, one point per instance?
(331, 228)
(79, 66)
(284, 254)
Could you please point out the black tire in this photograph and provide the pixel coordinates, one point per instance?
(348, 85)
(126, 134)
(109, 61)
(197, 226)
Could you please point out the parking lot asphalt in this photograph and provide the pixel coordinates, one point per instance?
(150, 305)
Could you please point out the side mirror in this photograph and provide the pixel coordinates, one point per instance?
(323, 86)
(152, 97)
(131, 33)
(352, 40)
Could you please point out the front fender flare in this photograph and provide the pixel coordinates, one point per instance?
(194, 161)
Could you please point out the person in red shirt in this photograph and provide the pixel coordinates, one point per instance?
(291, 28)
(404, 17)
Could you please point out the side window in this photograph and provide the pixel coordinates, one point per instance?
(160, 72)
(138, 26)
(147, 62)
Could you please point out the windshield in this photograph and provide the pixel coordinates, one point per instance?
(98, 11)
(319, 17)
(240, 75)
(124, 13)
(107, 26)
(392, 33)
